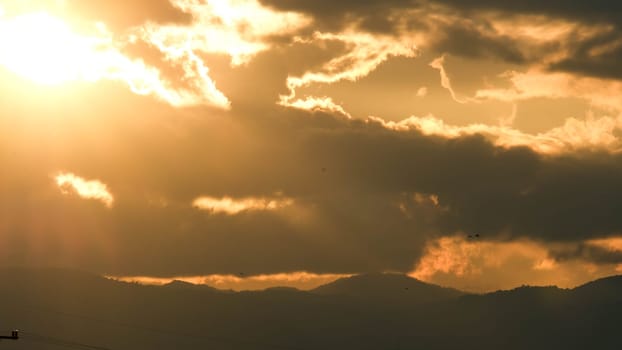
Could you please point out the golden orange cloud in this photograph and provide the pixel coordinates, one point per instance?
(87, 189)
(299, 280)
(612, 244)
(601, 133)
(323, 104)
(232, 206)
(236, 28)
(536, 83)
(480, 266)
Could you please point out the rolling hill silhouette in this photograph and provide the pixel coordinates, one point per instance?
(58, 309)
(396, 288)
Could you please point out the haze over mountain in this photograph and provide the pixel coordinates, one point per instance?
(58, 309)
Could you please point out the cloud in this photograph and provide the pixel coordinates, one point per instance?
(366, 194)
(46, 50)
(299, 280)
(563, 37)
(598, 251)
(596, 11)
(323, 104)
(88, 189)
(128, 14)
(118, 15)
(439, 63)
(369, 14)
(179, 75)
(239, 29)
(359, 188)
(595, 57)
(535, 83)
(231, 206)
(572, 38)
(422, 92)
(575, 135)
(360, 214)
(364, 52)
(482, 266)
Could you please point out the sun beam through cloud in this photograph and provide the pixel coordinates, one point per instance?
(47, 50)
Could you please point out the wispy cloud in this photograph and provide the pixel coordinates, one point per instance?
(439, 64)
(536, 83)
(365, 52)
(479, 265)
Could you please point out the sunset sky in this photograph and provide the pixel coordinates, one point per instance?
(254, 143)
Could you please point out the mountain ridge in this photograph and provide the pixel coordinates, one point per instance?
(342, 286)
(89, 309)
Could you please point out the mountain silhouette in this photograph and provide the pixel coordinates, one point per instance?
(605, 289)
(57, 309)
(177, 284)
(388, 286)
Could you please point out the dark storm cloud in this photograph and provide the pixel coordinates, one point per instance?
(587, 252)
(486, 189)
(468, 33)
(586, 58)
(467, 41)
(370, 14)
(597, 11)
(582, 58)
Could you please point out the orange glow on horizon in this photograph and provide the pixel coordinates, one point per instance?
(298, 280)
(469, 265)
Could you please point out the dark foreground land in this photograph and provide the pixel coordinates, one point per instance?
(57, 309)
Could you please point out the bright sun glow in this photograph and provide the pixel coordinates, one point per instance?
(44, 49)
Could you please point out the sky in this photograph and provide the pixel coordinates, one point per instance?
(255, 143)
